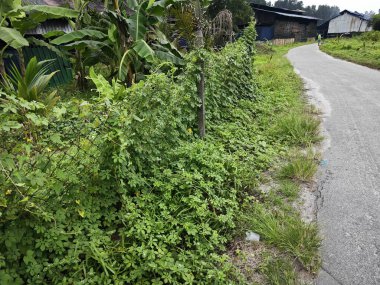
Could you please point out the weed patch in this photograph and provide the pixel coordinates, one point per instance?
(288, 233)
(279, 271)
(299, 129)
(301, 168)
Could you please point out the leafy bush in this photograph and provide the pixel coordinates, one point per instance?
(375, 22)
(373, 36)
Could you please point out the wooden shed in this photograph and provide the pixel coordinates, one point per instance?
(276, 23)
(348, 22)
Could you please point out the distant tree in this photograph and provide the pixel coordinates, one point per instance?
(262, 2)
(289, 4)
(323, 12)
(375, 22)
(369, 14)
(240, 9)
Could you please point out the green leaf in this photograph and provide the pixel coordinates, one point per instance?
(13, 38)
(45, 12)
(138, 24)
(24, 200)
(102, 85)
(54, 49)
(128, 58)
(8, 5)
(78, 35)
(143, 50)
(85, 44)
(52, 34)
(169, 57)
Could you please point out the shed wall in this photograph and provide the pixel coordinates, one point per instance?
(347, 23)
(292, 29)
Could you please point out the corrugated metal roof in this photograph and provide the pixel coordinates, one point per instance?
(289, 15)
(49, 26)
(361, 16)
(45, 2)
(275, 9)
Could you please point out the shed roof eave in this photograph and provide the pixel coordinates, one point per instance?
(289, 15)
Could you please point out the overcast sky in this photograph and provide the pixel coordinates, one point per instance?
(354, 5)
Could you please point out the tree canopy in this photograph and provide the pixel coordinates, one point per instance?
(240, 9)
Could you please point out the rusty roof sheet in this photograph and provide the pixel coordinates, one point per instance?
(289, 15)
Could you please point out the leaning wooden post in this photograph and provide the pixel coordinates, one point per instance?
(201, 95)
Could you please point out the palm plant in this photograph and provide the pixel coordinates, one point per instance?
(32, 85)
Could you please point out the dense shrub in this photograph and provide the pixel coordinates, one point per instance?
(120, 190)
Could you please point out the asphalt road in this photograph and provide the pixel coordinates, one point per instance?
(348, 207)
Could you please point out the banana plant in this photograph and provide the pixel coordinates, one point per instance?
(128, 38)
(16, 20)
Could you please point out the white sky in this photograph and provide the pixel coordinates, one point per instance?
(353, 5)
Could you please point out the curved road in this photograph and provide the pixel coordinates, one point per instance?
(348, 208)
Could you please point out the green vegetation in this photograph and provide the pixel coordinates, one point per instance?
(119, 185)
(301, 168)
(364, 49)
(284, 117)
(279, 271)
(298, 128)
(375, 22)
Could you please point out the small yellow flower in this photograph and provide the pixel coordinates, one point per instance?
(190, 131)
(9, 192)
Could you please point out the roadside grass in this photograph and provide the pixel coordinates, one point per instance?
(298, 129)
(288, 233)
(289, 190)
(285, 118)
(279, 271)
(364, 49)
(300, 168)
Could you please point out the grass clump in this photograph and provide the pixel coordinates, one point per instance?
(288, 233)
(289, 190)
(363, 49)
(298, 128)
(301, 168)
(279, 271)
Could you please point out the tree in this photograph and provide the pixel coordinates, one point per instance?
(262, 2)
(375, 22)
(289, 4)
(240, 9)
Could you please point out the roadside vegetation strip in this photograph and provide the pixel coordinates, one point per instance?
(288, 242)
(363, 49)
(120, 189)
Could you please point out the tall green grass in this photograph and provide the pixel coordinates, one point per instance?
(298, 128)
(300, 168)
(289, 234)
(364, 49)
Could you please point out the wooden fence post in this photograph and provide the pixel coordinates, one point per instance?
(201, 95)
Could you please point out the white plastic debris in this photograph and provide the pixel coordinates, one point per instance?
(251, 236)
